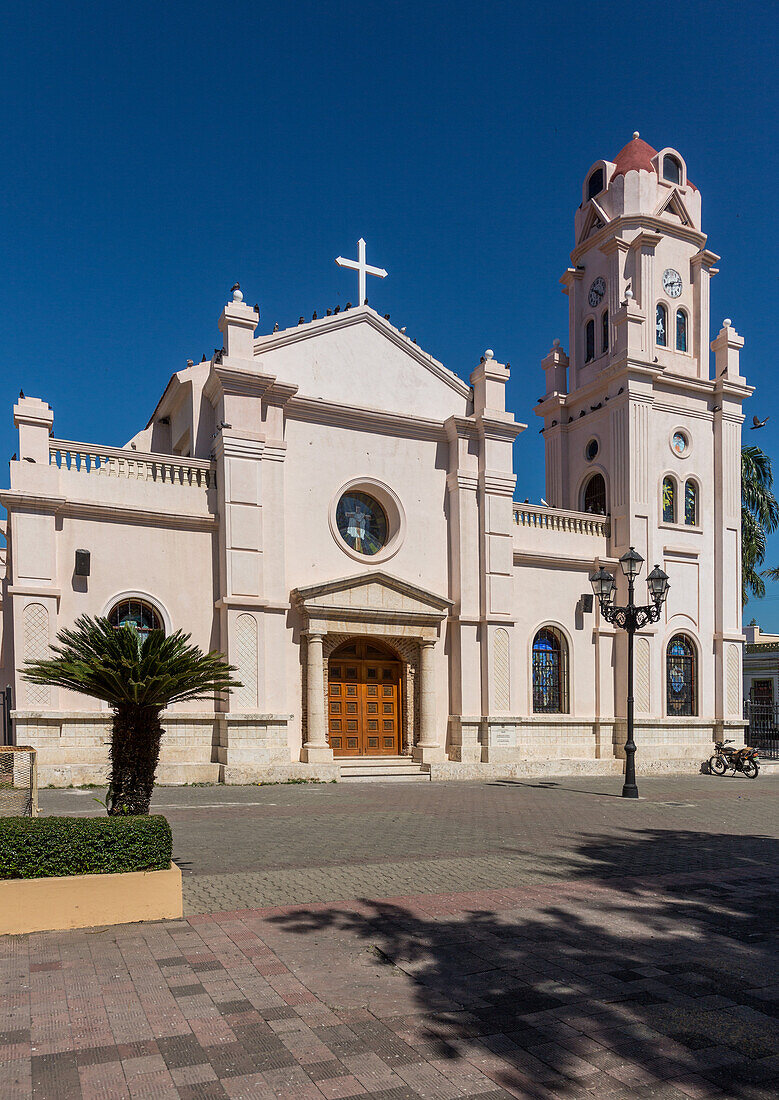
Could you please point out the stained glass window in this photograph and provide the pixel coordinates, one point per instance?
(680, 677)
(138, 614)
(690, 503)
(589, 341)
(661, 326)
(595, 495)
(679, 443)
(669, 500)
(681, 330)
(361, 522)
(595, 183)
(550, 672)
(604, 321)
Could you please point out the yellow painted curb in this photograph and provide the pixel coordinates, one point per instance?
(80, 901)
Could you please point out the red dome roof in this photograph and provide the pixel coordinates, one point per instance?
(635, 157)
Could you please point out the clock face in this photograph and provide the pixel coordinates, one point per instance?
(597, 290)
(672, 282)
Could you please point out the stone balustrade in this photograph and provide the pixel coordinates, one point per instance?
(92, 458)
(556, 519)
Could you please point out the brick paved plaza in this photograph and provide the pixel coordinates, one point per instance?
(532, 939)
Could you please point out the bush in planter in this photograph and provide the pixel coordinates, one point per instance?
(45, 847)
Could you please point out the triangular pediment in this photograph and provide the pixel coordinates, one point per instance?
(673, 205)
(358, 358)
(373, 597)
(594, 221)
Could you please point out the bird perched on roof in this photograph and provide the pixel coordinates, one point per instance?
(21, 393)
(337, 310)
(329, 312)
(190, 362)
(276, 327)
(235, 286)
(758, 423)
(301, 320)
(204, 358)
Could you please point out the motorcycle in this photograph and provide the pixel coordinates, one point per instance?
(740, 760)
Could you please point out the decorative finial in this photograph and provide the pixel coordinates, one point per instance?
(727, 323)
(236, 289)
(489, 354)
(629, 294)
(556, 342)
(635, 134)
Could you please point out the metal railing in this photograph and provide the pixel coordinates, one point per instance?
(763, 729)
(92, 458)
(557, 519)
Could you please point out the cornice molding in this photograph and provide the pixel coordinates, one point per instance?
(649, 222)
(16, 500)
(355, 416)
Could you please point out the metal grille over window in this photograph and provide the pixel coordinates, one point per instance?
(680, 677)
(138, 614)
(550, 672)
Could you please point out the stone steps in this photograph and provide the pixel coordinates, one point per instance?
(366, 769)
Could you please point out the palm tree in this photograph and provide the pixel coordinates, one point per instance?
(138, 677)
(759, 517)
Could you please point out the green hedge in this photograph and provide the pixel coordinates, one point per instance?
(44, 847)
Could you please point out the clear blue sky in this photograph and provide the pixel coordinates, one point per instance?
(155, 153)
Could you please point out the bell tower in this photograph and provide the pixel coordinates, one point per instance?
(636, 426)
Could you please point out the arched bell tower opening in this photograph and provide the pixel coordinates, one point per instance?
(364, 699)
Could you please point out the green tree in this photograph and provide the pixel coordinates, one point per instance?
(138, 676)
(759, 517)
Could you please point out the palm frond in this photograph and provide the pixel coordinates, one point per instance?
(124, 668)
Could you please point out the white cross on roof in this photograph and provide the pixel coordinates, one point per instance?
(362, 268)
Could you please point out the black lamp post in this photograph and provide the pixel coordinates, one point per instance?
(631, 619)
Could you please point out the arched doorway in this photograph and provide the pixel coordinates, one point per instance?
(364, 705)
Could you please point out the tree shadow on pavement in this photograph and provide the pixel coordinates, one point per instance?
(601, 984)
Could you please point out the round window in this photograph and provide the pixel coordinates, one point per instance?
(680, 444)
(361, 522)
(591, 449)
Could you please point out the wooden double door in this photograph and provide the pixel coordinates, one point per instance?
(363, 705)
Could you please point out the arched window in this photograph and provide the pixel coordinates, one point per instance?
(589, 341)
(681, 330)
(681, 687)
(138, 614)
(690, 503)
(604, 331)
(661, 325)
(550, 672)
(595, 495)
(595, 184)
(669, 500)
(672, 169)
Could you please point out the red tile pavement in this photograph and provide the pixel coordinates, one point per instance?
(657, 987)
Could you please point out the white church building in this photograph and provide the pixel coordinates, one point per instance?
(337, 512)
